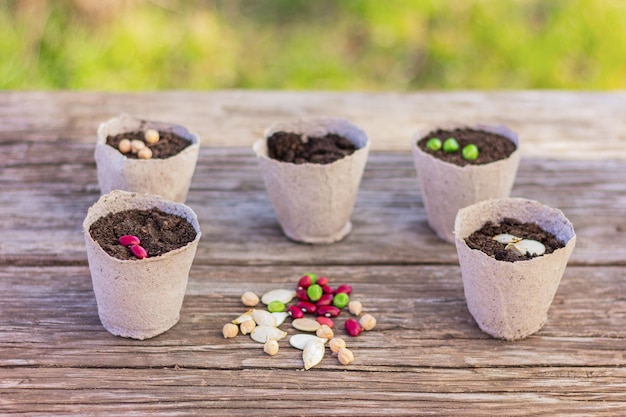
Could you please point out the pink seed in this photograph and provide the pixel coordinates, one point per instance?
(305, 281)
(321, 281)
(353, 327)
(325, 300)
(301, 294)
(295, 312)
(306, 307)
(327, 289)
(138, 251)
(345, 288)
(328, 311)
(128, 240)
(325, 320)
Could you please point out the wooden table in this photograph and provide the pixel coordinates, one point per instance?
(426, 355)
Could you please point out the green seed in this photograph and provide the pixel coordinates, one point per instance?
(276, 306)
(470, 152)
(450, 145)
(314, 292)
(341, 300)
(434, 144)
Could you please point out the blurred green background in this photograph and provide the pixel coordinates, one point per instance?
(371, 45)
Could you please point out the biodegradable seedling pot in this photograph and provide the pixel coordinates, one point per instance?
(314, 202)
(169, 178)
(510, 300)
(447, 187)
(139, 298)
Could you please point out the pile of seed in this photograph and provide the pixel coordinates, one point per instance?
(314, 297)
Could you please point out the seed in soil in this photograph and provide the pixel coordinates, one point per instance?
(345, 356)
(306, 325)
(151, 136)
(313, 353)
(506, 238)
(249, 299)
(138, 251)
(263, 318)
(325, 300)
(247, 326)
(470, 152)
(341, 300)
(262, 334)
(434, 144)
(137, 145)
(325, 332)
(344, 288)
(295, 312)
(450, 145)
(527, 247)
(284, 296)
(328, 311)
(336, 343)
(326, 321)
(124, 146)
(306, 307)
(145, 153)
(300, 340)
(276, 306)
(230, 330)
(314, 292)
(367, 322)
(129, 240)
(271, 347)
(355, 307)
(353, 327)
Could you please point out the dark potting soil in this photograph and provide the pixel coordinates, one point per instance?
(289, 147)
(159, 232)
(491, 146)
(482, 239)
(169, 143)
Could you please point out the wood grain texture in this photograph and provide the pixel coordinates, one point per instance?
(425, 357)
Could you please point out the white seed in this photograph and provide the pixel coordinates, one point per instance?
(313, 353)
(280, 317)
(284, 296)
(345, 356)
(325, 332)
(506, 238)
(249, 299)
(151, 136)
(230, 330)
(137, 145)
(367, 322)
(527, 246)
(124, 146)
(263, 318)
(145, 153)
(355, 307)
(336, 344)
(247, 326)
(306, 325)
(262, 334)
(244, 317)
(300, 340)
(271, 347)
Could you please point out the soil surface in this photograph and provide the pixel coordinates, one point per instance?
(158, 231)
(491, 146)
(482, 239)
(290, 147)
(169, 143)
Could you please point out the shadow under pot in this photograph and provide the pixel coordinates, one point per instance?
(451, 178)
(140, 249)
(130, 157)
(513, 253)
(312, 181)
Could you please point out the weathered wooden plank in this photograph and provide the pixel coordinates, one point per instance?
(551, 124)
(46, 190)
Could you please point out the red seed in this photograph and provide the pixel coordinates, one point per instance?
(295, 312)
(345, 288)
(138, 251)
(325, 320)
(301, 294)
(128, 240)
(306, 307)
(305, 281)
(328, 311)
(327, 289)
(321, 281)
(325, 300)
(353, 327)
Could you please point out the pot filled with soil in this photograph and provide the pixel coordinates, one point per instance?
(140, 249)
(146, 156)
(459, 166)
(312, 169)
(513, 253)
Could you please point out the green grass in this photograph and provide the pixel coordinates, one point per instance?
(374, 45)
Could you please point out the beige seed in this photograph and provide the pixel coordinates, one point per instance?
(271, 347)
(249, 299)
(151, 136)
(306, 325)
(367, 321)
(145, 153)
(230, 330)
(124, 146)
(355, 307)
(345, 356)
(247, 326)
(313, 353)
(336, 344)
(137, 145)
(325, 332)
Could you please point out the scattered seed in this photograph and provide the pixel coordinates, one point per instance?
(345, 356)
(230, 330)
(244, 317)
(325, 300)
(300, 340)
(276, 306)
(344, 288)
(321, 281)
(247, 326)
(313, 353)
(367, 322)
(144, 153)
(124, 146)
(305, 281)
(151, 136)
(262, 334)
(263, 318)
(336, 343)
(328, 311)
(314, 292)
(325, 332)
(295, 312)
(306, 307)
(249, 299)
(353, 327)
(280, 317)
(506, 238)
(341, 300)
(355, 307)
(284, 296)
(305, 324)
(271, 347)
(325, 321)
